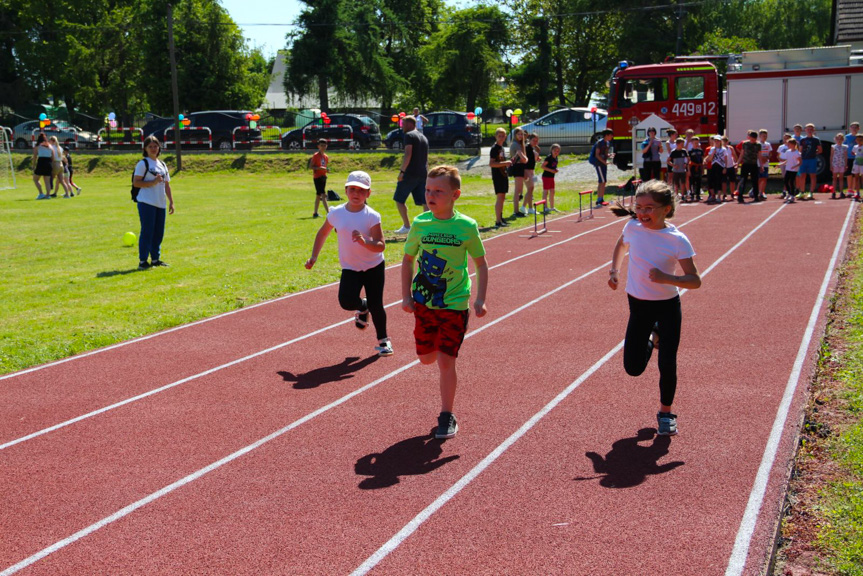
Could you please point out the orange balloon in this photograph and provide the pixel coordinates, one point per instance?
(395, 118)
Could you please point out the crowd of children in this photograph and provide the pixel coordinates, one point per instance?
(52, 164)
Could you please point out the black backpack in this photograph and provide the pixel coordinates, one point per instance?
(332, 196)
(135, 189)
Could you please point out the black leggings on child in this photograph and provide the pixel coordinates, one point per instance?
(790, 182)
(373, 280)
(637, 348)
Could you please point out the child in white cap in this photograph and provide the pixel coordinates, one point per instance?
(361, 255)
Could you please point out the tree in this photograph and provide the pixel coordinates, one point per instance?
(465, 57)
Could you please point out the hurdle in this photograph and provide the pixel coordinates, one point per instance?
(537, 231)
(581, 195)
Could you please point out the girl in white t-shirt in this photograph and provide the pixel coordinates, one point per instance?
(791, 164)
(155, 201)
(655, 250)
(361, 255)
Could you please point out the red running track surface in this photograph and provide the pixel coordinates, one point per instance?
(253, 456)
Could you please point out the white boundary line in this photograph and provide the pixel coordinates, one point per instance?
(149, 393)
(245, 450)
(231, 457)
(211, 318)
(740, 552)
(424, 515)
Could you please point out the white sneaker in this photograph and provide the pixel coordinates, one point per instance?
(385, 348)
(403, 230)
(531, 211)
(523, 210)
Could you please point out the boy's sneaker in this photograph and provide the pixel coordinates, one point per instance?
(143, 265)
(447, 427)
(159, 263)
(667, 424)
(403, 230)
(361, 319)
(501, 224)
(518, 215)
(42, 196)
(601, 203)
(384, 347)
(315, 215)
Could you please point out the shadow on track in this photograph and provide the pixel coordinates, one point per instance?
(629, 463)
(335, 373)
(417, 455)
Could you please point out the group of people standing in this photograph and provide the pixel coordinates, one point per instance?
(52, 164)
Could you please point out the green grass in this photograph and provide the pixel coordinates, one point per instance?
(841, 537)
(240, 235)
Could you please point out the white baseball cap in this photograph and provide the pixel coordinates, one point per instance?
(360, 179)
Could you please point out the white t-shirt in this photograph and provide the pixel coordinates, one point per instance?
(419, 123)
(653, 249)
(155, 195)
(764, 157)
(792, 160)
(354, 256)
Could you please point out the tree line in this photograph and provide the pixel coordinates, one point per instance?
(111, 55)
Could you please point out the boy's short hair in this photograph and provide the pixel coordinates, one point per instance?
(533, 135)
(858, 137)
(680, 140)
(798, 126)
(671, 131)
(607, 132)
(810, 125)
(651, 129)
(752, 134)
(787, 135)
(410, 118)
(854, 124)
(499, 130)
(555, 146)
(323, 141)
(763, 131)
(449, 172)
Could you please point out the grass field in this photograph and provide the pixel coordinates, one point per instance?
(241, 233)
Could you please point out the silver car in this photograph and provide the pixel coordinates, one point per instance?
(69, 135)
(568, 127)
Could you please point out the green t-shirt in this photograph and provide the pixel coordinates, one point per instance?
(442, 247)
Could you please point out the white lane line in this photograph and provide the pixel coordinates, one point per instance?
(740, 551)
(453, 491)
(211, 318)
(149, 393)
(243, 451)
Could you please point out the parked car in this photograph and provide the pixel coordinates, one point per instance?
(156, 127)
(221, 124)
(69, 135)
(443, 130)
(568, 127)
(364, 131)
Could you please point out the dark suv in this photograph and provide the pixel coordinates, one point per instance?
(363, 133)
(443, 130)
(221, 124)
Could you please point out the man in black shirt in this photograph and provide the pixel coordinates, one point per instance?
(412, 176)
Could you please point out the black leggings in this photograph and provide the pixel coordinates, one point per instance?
(637, 348)
(790, 182)
(747, 172)
(373, 280)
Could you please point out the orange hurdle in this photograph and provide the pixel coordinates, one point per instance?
(590, 204)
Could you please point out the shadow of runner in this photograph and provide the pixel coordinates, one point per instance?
(629, 463)
(335, 373)
(417, 455)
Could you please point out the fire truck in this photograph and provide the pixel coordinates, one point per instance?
(772, 89)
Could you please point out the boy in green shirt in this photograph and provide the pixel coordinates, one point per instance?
(439, 294)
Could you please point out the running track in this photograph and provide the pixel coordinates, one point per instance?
(271, 441)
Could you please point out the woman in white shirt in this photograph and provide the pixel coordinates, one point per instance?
(155, 201)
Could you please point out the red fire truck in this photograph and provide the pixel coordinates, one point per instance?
(768, 89)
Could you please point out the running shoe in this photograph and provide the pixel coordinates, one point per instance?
(403, 230)
(159, 263)
(447, 427)
(667, 424)
(518, 215)
(531, 212)
(384, 347)
(143, 265)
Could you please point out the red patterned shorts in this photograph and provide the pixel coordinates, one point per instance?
(439, 330)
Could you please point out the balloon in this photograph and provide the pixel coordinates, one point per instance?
(186, 122)
(517, 112)
(41, 123)
(42, 116)
(47, 121)
(112, 116)
(509, 112)
(477, 111)
(471, 115)
(256, 117)
(112, 123)
(323, 114)
(395, 118)
(514, 119)
(402, 114)
(326, 121)
(593, 110)
(253, 125)
(180, 117)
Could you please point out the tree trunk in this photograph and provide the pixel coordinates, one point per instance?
(323, 96)
(544, 63)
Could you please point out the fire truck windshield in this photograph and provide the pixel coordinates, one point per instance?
(631, 91)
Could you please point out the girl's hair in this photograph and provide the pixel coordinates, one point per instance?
(555, 146)
(533, 135)
(53, 140)
(41, 138)
(516, 132)
(658, 190)
(792, 142)
(839, 135)
(147, 141)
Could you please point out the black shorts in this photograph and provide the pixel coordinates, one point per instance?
(678, 178)
(321, 186)
(501, 182)
(518, 170)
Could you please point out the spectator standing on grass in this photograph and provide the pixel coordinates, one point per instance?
(850, 142)
(155, 202)
(57, 167)
(319, 163)
(499, 164)
(361, 255)
(549, 169)
(810, 149)
(67, 160)
(42, 154)
(532, 153)
(420, 119)
(518, 155)
(656, 249)
(651, 153)
(412, 174)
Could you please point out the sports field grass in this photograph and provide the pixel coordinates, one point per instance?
(240, 235)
